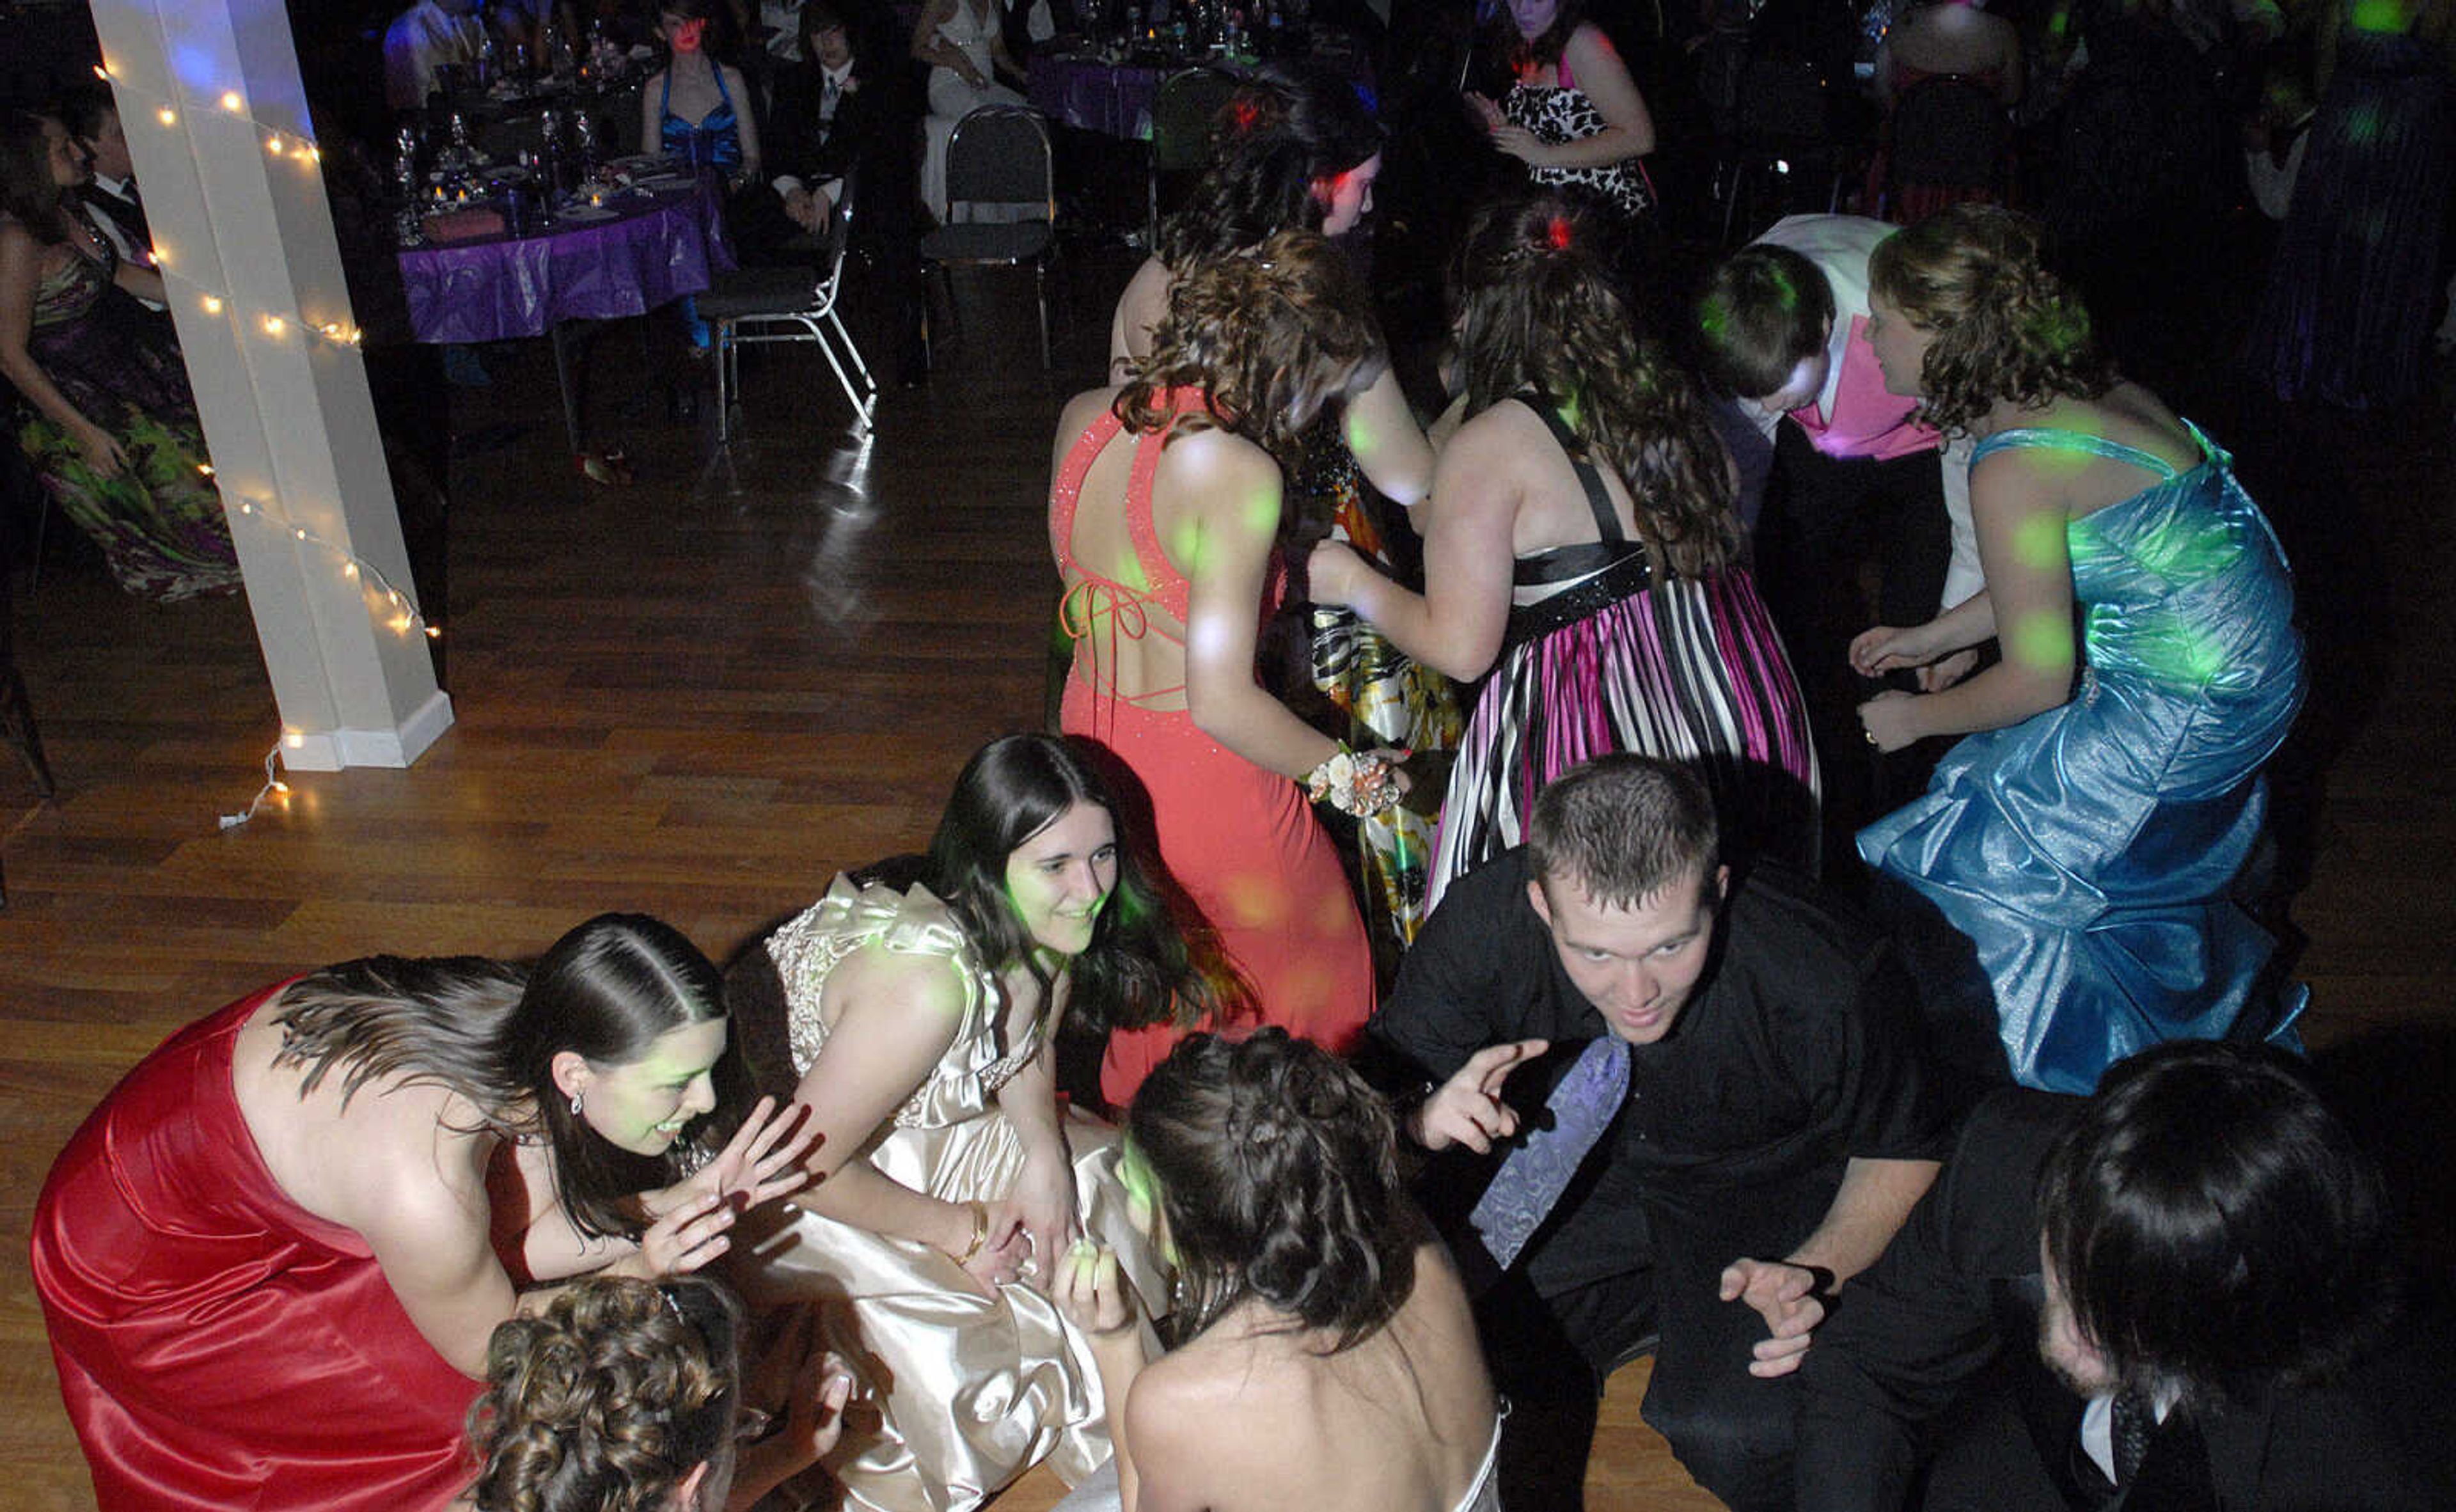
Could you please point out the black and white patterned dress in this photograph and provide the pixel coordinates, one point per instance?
(1562, 112)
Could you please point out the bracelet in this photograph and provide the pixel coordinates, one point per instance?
(1362, 786)
(980, 1234)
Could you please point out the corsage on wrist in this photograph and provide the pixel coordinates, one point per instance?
(1359, 784)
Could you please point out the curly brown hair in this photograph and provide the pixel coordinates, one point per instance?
(1265, 340)
(1540, 311)
(608, 1399)
(2004, 327)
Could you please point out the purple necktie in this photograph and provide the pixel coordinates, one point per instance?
(1535, 1174)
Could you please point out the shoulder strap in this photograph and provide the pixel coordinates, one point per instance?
(1067, 493)
(1590, 477)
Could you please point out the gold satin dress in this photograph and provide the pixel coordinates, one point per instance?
(970, 1392)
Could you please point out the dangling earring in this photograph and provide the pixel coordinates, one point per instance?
(575, 1104)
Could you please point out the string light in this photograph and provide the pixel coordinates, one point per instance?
(404, 620)
(273, 786)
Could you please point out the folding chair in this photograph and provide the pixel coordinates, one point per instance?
(1000, 155)
(763, 306)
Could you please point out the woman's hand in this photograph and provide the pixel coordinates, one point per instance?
(1042, 1205)
(686, 1238)
(1884, 648)
(1937, 676)
(1092, 1291)
(102, 451)
(762, 1162)
(1891, 719)
(998, 1256)
(1486, 114)
(1335, 575)
(1513, 140)
(814, 1408)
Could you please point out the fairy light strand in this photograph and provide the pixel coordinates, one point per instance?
(272, 785)
(406, 619)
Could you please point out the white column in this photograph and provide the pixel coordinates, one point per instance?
(216, 119)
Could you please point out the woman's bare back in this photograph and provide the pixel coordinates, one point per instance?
(1402, 1423)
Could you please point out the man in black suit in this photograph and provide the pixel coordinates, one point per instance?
(841, 117)
(2176, 1294)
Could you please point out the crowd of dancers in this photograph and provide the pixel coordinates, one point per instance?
(1578, 760)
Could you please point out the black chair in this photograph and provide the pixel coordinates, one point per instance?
(765, 306)
(1948, 134)
(998, 162)
(1184, 115)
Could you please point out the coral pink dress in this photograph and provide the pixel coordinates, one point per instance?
(1240, 842)
(218, 1346)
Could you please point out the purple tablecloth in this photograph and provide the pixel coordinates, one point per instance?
(1111, 98)
(490, 291)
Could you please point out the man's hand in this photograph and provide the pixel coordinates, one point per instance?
(1467, 1109)
(1784, 1296)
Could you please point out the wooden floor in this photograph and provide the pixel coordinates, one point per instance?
(700, 701)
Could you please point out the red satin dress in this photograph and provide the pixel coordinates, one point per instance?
(220, 1347)
(1240, 841)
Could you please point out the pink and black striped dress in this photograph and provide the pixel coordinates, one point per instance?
(1603, 654)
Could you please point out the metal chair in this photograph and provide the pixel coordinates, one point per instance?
(1184, 115)
(1000, 155)
(764, 306)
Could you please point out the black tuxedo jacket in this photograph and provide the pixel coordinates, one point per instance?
(129, 218)
(1926, 1381)
(869, 130)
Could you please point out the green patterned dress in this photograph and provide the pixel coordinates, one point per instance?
(160, 523)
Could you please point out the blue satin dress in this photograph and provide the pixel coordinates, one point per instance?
(2093, 855)
(715, 142)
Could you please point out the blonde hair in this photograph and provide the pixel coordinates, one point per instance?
(2004, 328)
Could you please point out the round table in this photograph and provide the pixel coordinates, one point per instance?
(652, 250)
(1113, 99)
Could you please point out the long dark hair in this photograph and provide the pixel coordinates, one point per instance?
(1277, 146)
(1137, 971)
(1256, 337)
(607, 992)
(2215, 1226)
(28, 196)
(608, 1399)
(1541, 310)
(1278, 1174)
(489, 1031)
